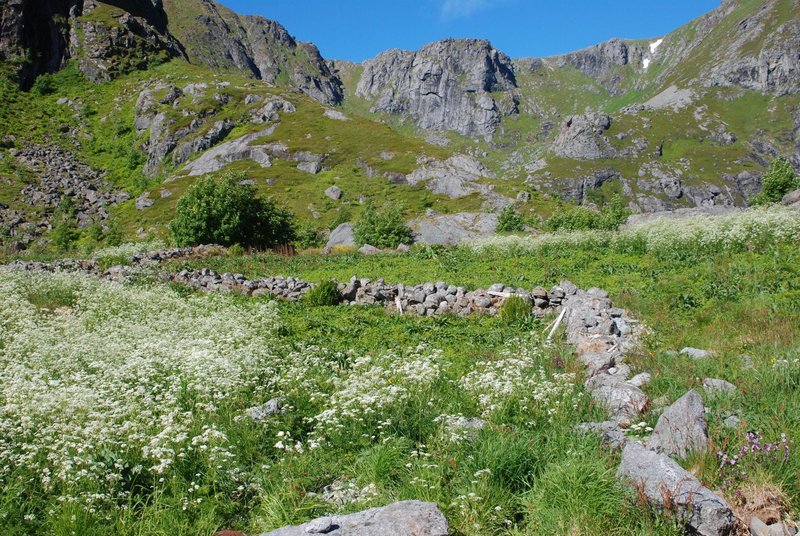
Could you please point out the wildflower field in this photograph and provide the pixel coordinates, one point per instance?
(142, 408)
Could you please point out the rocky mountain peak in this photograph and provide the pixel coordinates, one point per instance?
(447, 85)
(219, 38)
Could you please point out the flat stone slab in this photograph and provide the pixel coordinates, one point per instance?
(407, 518)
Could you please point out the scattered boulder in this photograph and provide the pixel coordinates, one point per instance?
(713, 386)
(366, 249)
(407, 518)
(453, 228)
(682, 428)
(667, 485)
(732, 422)
(336, 115)
(334, 192)
(696, 353)
(310, 167)
(342, 236)
(144, 202)
(792, 198)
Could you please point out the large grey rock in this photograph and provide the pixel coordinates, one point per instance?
(682, 428)
(367, 249)
(667, 485)
(448, 85)
(610, 432)
(407, 518)
(342, 236)
(453, 228)
(334, 192)
(455, 177)
(582, 137)
(623, 400)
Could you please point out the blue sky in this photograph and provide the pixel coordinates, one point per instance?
(360, 29)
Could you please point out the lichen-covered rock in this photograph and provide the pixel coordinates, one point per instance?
(407, 518)
(669, 486)
(447, 85)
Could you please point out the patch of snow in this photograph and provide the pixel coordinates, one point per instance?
(654, 45)
(646, 63)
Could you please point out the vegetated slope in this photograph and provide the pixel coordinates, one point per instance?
(689, 119)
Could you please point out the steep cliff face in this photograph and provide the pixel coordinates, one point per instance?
(107, 38)
(604, 62)
(219, 38)
(34, 37)
(447, 85)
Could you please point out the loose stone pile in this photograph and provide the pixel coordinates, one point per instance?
(61, 176)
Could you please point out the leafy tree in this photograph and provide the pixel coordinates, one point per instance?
(510, 220)
(779, 180)
(225, 211)
(382, 228)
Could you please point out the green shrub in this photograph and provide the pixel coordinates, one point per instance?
(515, 308)
(609, 218)
(224, 211)
(64, 235)
(44, 85)
(309, 237)
(382, 228)
(324, 294)
(779, 180)
(510, 221)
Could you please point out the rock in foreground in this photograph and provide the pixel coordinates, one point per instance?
(407, 518)
(669, 486)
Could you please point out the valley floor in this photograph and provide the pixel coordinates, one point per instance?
(142, 408)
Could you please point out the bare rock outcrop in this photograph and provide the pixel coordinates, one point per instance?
(455, 177)
(582, 137)
(447, 85)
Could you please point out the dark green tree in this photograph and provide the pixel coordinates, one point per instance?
(225, 211)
